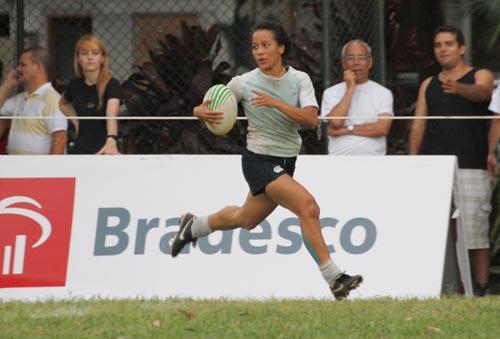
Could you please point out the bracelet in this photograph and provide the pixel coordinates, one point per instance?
(112, 137)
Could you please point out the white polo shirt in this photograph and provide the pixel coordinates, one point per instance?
(34, 136)
(368, 102)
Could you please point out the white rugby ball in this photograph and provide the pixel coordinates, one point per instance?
(223, 100)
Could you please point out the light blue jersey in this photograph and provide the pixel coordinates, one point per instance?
(270, 131)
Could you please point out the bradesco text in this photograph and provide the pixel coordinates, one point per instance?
(114, 225)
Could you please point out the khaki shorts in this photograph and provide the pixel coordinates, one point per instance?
(475, 189)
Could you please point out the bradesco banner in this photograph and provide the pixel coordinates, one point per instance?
(98, 226)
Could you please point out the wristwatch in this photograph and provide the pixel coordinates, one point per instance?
(350, 129)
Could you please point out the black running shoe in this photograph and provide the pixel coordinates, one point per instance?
(184, 235)
(344, 284)
(481, 290)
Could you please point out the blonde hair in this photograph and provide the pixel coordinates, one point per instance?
(104, 73)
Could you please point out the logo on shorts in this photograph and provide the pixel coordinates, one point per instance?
(35, 228)
(278, 169)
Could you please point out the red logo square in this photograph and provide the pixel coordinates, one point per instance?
(36, 215)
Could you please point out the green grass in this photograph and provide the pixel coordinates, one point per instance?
(180, 318)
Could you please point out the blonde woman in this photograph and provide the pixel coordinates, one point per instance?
(93, 92)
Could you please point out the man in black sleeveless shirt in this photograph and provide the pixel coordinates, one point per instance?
(460, 90)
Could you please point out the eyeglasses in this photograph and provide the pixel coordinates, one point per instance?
(361, 57)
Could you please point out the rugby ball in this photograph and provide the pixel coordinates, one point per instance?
(222, 100)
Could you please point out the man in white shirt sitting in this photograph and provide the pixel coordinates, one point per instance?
(362, 101)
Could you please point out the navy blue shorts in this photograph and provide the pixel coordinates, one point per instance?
(259, 170)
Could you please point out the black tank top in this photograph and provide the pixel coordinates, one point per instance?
(467, 139)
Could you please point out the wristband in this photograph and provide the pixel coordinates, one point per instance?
(112, 137)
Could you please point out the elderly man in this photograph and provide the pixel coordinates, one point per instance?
(362, 101)
(33, 136)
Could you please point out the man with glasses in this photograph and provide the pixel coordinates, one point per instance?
(358, 103)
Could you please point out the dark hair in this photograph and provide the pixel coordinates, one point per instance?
(459, 36)
(41, 56)
(279, 34)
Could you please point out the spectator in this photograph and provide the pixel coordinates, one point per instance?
(360, 99)
(494, 136)
(93, 93)
(461, 90)
(33, 136)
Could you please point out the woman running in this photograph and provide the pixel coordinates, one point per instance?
(277, 100)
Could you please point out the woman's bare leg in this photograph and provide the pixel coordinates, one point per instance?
(254, 210)
(288, 193)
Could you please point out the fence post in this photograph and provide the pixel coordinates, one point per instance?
(381, 25)
(326, 44)
(19, 28)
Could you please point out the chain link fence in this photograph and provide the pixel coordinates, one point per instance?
(166, 54)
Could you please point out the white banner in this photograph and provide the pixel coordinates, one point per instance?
(87, 226)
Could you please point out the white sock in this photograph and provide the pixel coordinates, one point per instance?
(200, 227)
(330, 271)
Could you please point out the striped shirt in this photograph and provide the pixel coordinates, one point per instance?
(34, 136)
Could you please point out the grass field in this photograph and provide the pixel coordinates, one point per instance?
(456, 317)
